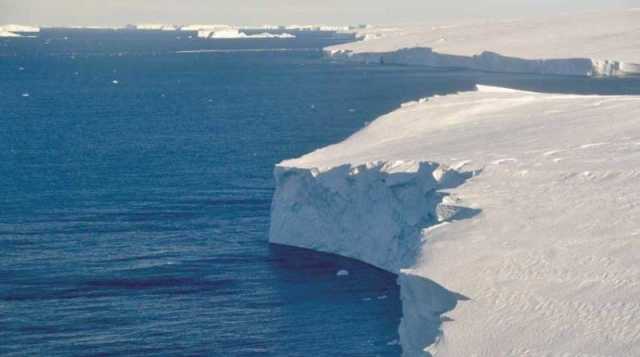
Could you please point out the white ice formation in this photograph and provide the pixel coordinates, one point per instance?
(511, 218)
(205, 27)
(156, 27)
(237, 34)
(597, 43)
(13, 30)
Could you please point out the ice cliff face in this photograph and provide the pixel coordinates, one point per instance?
(510, 217)
(374, 212)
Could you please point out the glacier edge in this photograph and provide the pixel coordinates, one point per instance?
(550, 263)
(376, 213)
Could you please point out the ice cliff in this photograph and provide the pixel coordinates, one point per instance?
(409, 200)
(598, 44)
(510, 217)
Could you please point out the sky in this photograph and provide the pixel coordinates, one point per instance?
(257, 12)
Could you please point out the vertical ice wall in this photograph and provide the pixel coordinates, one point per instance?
(376, 213)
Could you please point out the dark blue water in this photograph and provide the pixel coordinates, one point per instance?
(135, 188)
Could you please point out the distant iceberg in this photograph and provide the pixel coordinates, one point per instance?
(8, 34)
(237, 34)
(156, 27)
(12, 30)
(19, 28)
(318, 28)
(205, 27)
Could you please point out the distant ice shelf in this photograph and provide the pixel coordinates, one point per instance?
(591, 44)
(510, 217)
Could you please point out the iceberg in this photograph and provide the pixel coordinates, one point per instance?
(205, 27)
(97, 27)
(237, 34)
(4, 33)
(318, 28)
(511, 219)
(20, 28)
(156, 27)
(589, 44)
(13, 30)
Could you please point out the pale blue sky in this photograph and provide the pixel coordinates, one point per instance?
(251, 12)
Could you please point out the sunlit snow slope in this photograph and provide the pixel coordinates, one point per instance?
(597, 43)
(512, 218)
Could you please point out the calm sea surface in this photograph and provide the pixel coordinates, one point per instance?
(135, 188)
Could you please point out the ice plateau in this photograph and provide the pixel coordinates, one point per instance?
(596, 43)
(512, 219)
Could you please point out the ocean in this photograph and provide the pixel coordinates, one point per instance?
(136, 183)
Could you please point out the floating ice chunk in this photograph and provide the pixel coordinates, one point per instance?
(26, 95)
(342, 272)
(115, 81)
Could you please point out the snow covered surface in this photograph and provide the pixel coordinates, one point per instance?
(511, 217)
(597, 43)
